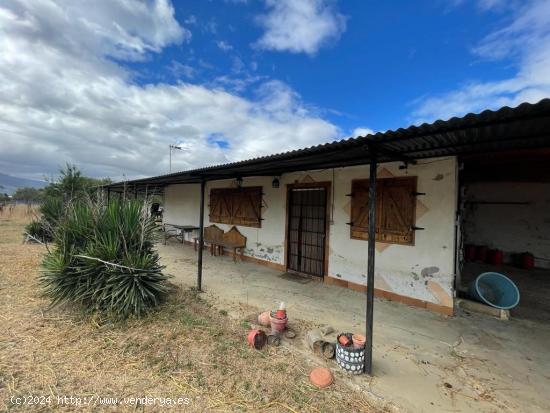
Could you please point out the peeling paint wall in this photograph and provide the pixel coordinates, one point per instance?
(511, 228)
(423, 271)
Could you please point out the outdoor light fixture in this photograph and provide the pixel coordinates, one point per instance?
(275, 183)
(239, 181)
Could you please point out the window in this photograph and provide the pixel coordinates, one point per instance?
(236, 206)
(395, 209)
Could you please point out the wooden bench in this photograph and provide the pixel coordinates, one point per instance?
(213, 235)
(220, 240)
(233, 240)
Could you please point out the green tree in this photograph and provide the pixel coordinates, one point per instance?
(28, 194)
(72, 185)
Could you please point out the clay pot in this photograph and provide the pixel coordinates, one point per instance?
(256, 338)
(328, 350)
(321, 377)
(280, 314)
(358, 340)
(344, 340)
(263, 319)
(278, 325)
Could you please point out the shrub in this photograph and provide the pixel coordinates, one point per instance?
(104, 259)
(38, 230)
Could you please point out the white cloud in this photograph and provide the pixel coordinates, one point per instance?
(224, 45)
(525, 41)
(361, 131)
(63, 99)
(182, 70)
(300, 26)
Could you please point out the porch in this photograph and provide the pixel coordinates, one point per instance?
(424, 361)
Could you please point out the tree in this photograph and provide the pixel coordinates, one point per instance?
(72, 185)
(28, 194)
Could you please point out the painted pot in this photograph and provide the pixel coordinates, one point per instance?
(349, 358)
(256, 338)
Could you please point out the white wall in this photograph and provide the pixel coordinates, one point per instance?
(511, 228)
(423, 271)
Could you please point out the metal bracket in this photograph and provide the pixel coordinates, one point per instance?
(350, 194)
(349, 223)
(415, 228)
(418, 193)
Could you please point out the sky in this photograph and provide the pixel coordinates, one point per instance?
(108, 85)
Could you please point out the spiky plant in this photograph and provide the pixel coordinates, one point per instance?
(104, 259)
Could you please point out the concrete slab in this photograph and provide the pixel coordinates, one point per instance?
(423, 362)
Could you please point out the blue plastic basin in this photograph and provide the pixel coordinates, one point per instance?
(496, 290)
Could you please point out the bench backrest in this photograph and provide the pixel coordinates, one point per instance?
(213, 234)
(234, 237)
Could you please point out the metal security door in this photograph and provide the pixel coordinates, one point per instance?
(307, 230)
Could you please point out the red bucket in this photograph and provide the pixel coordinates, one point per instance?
(481, 253)
(496, 257)
(469, 252)
(527, 261)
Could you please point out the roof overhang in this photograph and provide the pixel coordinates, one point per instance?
(524, 127)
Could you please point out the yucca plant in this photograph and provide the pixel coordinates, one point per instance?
(104, 259)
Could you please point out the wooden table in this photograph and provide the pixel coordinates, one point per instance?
(177, 231)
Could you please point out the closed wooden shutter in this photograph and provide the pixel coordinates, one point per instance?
(236, 206)
(395, 209)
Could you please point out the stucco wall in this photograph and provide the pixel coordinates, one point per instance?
(423, 271)
(511, 228)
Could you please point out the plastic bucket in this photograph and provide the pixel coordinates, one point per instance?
(496, 290)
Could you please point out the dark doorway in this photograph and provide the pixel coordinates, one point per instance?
(307, 229)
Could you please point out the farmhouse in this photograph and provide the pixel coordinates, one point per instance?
(479, 180)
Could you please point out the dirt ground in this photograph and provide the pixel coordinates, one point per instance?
(188, 353)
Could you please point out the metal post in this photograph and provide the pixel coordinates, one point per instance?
(370, 254)
(108, 194)
(201, 238)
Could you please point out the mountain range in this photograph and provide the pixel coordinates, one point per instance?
(9, 184)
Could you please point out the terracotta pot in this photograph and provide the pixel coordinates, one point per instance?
(359, 340)
(278, 325)
(280, 314)
(344, 340)
(256, 338)
(263, 319)
(328, 350)
(321, 377)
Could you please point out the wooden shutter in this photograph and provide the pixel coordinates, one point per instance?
(395, 209)
(236, 206)
(247, 203)
(398, 204)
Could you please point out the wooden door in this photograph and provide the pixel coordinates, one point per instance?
(306, 232)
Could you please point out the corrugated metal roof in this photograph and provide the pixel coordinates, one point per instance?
(525, 126)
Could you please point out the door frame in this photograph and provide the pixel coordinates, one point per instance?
(328, 207)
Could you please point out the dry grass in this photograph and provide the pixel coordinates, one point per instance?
(186, 349)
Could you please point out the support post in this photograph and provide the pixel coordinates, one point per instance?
(370, 255)
(108, 194)
(201, 238)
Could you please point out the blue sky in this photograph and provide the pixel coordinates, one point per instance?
(110, 87)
